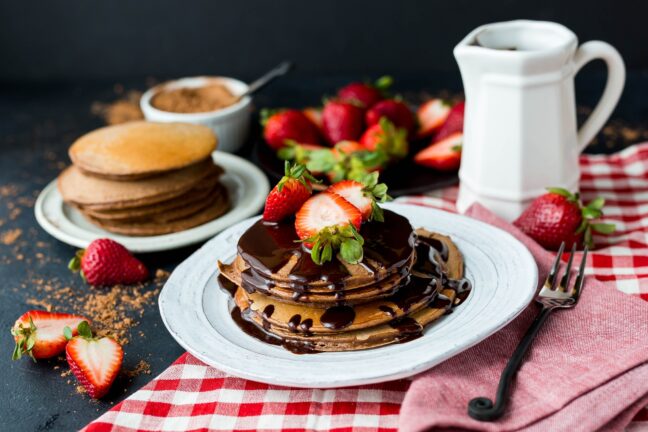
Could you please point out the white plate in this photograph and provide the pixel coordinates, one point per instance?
(196, 311)
(246, 184)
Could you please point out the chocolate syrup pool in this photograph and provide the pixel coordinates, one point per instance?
(268, 248)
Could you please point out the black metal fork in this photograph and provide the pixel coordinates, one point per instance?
(551, 297)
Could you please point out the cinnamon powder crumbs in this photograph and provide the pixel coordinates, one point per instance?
(8, 190)
(161, 274)
(10, 236)
(80, 389)
(142, 367)
(66, 373)
(120, 111)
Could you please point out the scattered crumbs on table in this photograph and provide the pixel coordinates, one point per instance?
(142, 367)
(123, 110)
(8, 237)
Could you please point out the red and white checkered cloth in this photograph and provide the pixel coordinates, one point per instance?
(191, 396)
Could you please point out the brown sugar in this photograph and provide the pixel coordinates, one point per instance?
(142, 367)
(211, 97)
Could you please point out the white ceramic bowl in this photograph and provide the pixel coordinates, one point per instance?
(231, 124)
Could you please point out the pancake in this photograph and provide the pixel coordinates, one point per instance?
(141, 149)
(219, 207)
(206, 189)
(274, 253)
(102, 194)
(351, 294)
(435, 284)
(172, 214)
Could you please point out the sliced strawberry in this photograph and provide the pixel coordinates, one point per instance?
(107, 263)
(326, 223)
(396, 111)
(431, 115)
(385, 137)
(342, 121)
(364, 196)
(289, 194)
(444, 155)
(40, 334)
(94, 362)
(453, 123)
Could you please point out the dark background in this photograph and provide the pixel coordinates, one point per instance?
(57, 58)
(90, 40)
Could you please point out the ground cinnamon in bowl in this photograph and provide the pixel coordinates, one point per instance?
(206, 98)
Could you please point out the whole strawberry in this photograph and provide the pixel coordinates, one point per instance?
(289, 194)
(559, 216)
(364, 94)
(278, 127)
(385, 137)
(342, 121)
(107, 263)
(395, 111)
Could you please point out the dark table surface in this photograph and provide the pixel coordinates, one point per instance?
(37, 124)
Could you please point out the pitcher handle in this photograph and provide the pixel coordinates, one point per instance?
(614, 86)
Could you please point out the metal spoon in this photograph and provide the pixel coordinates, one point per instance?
(280, 70)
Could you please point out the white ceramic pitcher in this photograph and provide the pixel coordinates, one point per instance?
(520, 133)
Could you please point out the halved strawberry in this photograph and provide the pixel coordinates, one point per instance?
(327, 223)
(289, 194)
(95, 362)
(364, 196)
(431, 115)
(444, 155)
(39, 334)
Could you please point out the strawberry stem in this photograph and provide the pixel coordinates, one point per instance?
(345, 239)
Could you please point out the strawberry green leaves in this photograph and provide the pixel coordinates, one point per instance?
(343, 239)
(378, 194)
(25, 340)
(593, 210)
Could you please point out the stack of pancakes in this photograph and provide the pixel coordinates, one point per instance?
(406, 280)
(145, 178)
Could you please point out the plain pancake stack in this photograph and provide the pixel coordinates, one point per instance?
(406, 280)
(144, 179)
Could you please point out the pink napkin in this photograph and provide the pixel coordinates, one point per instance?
(587, 369)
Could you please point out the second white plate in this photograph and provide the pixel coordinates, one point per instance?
(196, 311)
(246, 184)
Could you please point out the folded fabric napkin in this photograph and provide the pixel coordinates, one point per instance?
(587, 369)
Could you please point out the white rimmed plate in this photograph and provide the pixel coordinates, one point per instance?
(246, 184)
(196, 311)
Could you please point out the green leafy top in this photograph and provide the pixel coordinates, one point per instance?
(378, 194)
(393, 140)
(296, 172)
(593, 210)
(339, 165)
(344, 239)
(25, 340)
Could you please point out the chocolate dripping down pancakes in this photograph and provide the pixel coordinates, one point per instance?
(144, 178)
(285, 294)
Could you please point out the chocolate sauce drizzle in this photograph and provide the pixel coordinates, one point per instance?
(268, 247)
